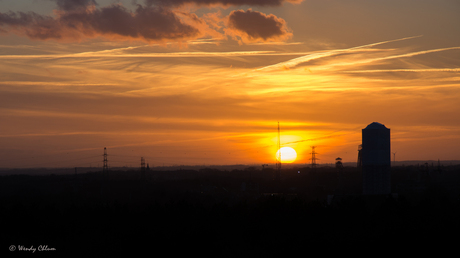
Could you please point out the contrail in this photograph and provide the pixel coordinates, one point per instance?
(294, 62)
(391, 57)
(407, 70)
(316, 139)
(113, 53)
(331, 135)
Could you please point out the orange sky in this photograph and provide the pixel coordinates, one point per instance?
(199, 82)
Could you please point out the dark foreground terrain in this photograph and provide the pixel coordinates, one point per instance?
(239, 213)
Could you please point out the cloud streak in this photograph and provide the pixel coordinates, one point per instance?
(116, 53)
(396, 56)
(406, 70)
(296, 61)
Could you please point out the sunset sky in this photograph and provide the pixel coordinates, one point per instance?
(193, 82)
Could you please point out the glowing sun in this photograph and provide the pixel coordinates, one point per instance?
(288, 155)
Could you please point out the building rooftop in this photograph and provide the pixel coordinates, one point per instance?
(376, 125)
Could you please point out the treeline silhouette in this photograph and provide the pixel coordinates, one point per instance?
(234, 213)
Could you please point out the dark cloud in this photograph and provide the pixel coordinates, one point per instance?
(32, 24)
(16, 19)
(147, 23)
(222, 2)
(158, 21)
(72, 5)
(256, 26)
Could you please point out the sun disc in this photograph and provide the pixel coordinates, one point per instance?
(288, 154)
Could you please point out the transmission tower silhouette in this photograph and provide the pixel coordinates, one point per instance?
(105, 168)
(142, 167)
(313, 157)
(142, 164)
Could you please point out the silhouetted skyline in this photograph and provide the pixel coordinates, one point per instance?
(228, 213)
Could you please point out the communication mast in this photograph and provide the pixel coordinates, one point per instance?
(278, 161)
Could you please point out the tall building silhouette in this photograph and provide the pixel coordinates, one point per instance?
(376, 159)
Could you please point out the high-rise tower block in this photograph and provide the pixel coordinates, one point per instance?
(376, 159)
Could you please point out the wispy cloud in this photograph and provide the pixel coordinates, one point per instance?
(406, 70)
(371, 60)
(296, 61)
(119, 53)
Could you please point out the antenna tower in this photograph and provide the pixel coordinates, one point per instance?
(313, 157)
(394, 158)
(278, 161)
(105, 167)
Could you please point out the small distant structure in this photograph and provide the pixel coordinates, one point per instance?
(278, 162)
(339, 169)
(143, 168)
(376, 159)
(313, 157)
(105, 167)
(360, 157)
(339, 164)
(278, 159)
(142, 164)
